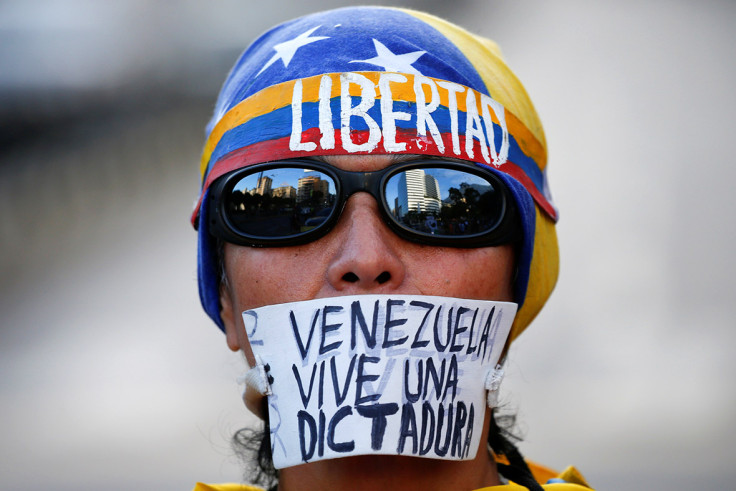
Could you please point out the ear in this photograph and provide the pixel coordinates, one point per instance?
(227, 314)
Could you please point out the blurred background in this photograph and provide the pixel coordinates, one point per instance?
(111, 376)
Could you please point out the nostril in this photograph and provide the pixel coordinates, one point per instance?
(383, 277)
(350, 277)
(354, 278)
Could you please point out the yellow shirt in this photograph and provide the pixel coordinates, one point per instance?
(569, 480)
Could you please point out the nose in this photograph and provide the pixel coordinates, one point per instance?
(367, 258)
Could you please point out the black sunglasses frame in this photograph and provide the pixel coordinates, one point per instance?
(507, 228)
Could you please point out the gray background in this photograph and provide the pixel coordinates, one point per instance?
(111, 377)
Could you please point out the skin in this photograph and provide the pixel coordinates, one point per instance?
(361, 255)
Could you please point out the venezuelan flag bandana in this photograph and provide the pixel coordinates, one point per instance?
(372, 80)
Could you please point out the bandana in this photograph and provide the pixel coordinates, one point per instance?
(372, 80)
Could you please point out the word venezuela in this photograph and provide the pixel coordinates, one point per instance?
(399, 375)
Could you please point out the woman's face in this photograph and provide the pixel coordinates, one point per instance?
(361, 255)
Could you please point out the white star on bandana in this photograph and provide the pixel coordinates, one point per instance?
(392, 62)
(285, 51)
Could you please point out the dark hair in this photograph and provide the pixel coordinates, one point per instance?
(501, 440)
(253, 447)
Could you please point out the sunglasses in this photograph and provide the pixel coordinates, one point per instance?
(432, 202)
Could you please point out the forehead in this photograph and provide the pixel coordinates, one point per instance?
(365, 163)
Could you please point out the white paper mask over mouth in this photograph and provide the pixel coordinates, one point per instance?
(377, 374)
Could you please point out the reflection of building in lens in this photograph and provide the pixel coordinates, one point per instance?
(411, 190)
(312, 187)
(264, 186)
(431, 194)
(418, 192)
(284, 192)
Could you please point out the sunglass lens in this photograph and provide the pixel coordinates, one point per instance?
(280, 202)
(443, 201)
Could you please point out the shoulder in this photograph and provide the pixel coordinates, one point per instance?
(571, 476)
(224, 487)
(568, 480)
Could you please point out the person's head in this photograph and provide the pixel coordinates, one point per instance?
(452, 200)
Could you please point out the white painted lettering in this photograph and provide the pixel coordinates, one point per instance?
(295, 140)
(498, 157)
(473, 128)
(327, 141)
(452, 90)
(388, 115)
(367, 99)
(424, 111)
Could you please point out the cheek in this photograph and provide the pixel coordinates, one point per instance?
(484, 274)
(269, 276)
